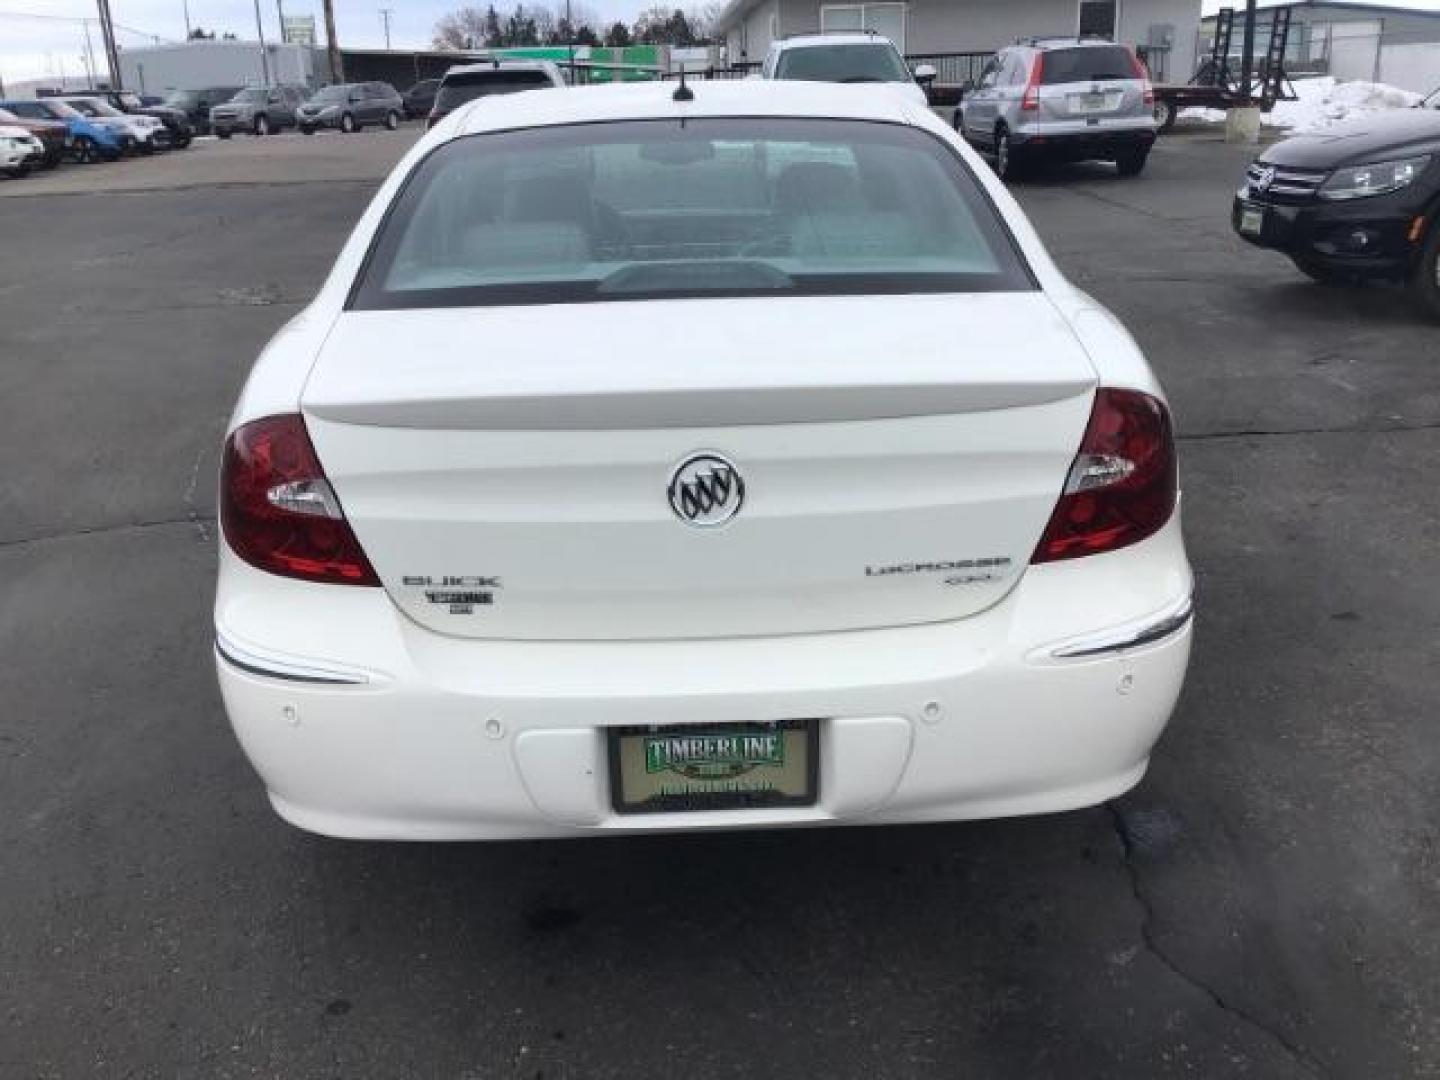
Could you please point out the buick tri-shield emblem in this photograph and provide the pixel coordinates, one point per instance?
(1263, 179)
(706, 490)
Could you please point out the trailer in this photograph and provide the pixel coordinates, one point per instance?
(1216, 85)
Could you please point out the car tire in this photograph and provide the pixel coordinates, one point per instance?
(348, 125)
(958, 122)
(1132, 162)
(222, 134)
(262, 125)
(1004, 155)
(1322, 274)
(85, 151)
(1166, 113)
(306, 129)
(1425, 278)
(392, 120)
(181, 144)
(147, 148)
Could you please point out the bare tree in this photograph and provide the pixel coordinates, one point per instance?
(465, 28)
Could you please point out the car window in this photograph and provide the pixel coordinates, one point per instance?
(1087, 64)
(458, 89)
(720, 207)
(55, 110)
(1433, 101)
(858, 62)
(989, 72)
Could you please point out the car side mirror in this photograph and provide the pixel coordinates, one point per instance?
(925, 73)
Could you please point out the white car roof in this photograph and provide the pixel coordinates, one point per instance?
(806, 41)
(655, 101)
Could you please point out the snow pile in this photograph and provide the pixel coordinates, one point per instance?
(1323, 102)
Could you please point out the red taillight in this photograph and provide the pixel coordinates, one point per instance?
(1143, 74)
(1031, 101)
(1122, 485)
(279, 512)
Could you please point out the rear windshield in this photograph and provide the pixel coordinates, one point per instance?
(861, 62)
(1088, 65)
(458, 89)
(714, 207)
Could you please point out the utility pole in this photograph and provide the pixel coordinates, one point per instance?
(385, 14)
(337, 68)
(185, 6)
(264, 60)
(112, 52)
(280, 14)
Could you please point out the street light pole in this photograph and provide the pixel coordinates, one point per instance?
(385, 14)
(264, 60)
(185, 6)
(280, 14)
(89, 53)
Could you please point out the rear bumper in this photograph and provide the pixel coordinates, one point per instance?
(1080, 139)
(363, 725)
(1329, 233)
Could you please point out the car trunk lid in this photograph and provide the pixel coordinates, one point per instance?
(898, 464)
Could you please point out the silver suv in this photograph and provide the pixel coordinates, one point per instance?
(257, 109)
(1064, 99)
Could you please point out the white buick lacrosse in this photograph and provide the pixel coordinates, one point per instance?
(722, 459)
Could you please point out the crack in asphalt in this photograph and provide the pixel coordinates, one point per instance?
(1359, 429)
(192, 519)
(1147, 937)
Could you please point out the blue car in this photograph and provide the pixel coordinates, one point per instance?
(89, 139)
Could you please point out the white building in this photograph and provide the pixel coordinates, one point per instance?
(195, 65)
(1167, 30)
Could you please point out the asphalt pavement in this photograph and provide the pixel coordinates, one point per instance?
(1266, 904)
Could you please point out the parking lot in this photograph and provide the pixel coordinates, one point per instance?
(1265, 904)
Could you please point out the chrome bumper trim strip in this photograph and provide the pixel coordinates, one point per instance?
(1146, 631)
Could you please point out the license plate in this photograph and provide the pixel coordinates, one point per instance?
(1089, 103)
(1252, 220)
(713, 767)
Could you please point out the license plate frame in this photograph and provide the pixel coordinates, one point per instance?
(798, 735)
(1252, 220)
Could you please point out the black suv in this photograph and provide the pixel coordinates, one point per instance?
(420, 98)
(176, 120)
(196, 104)
(1357, 200)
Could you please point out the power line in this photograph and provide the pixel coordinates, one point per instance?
(75, 19)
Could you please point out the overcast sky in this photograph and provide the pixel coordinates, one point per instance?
(46, 37)
(37, 37)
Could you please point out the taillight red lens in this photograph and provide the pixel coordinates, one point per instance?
(1143, 74)
(1122, 485)
(1031, 101)
(278, 511)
